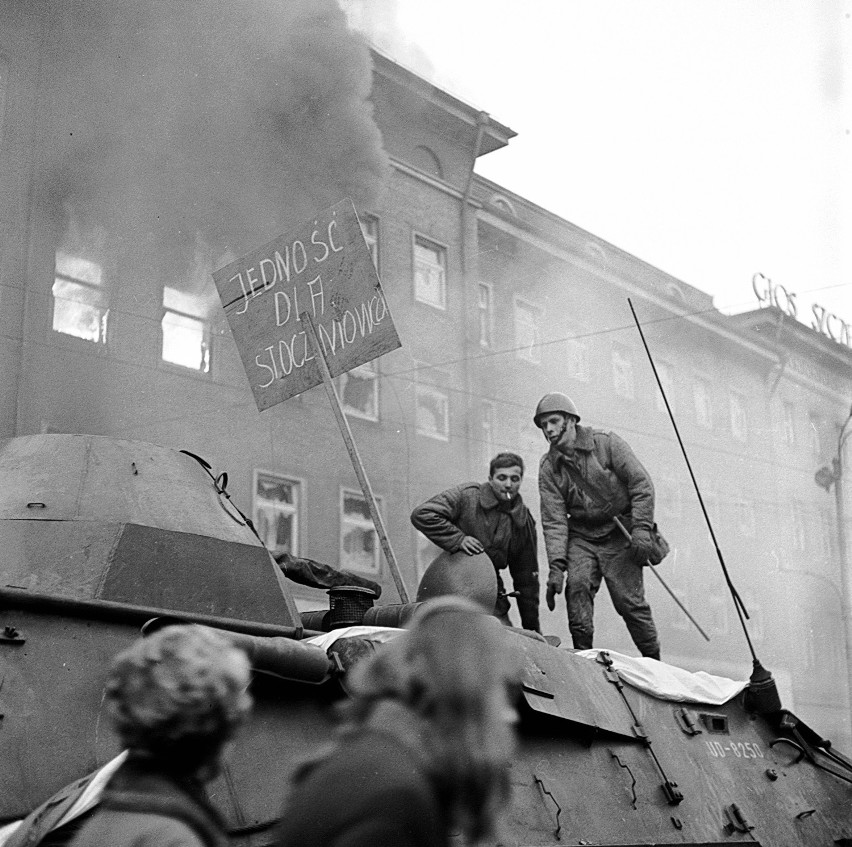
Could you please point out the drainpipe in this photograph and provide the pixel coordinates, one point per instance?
(470, 293)
(825, 477)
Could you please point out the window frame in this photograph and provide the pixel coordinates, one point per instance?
(666, 375)
(366, 524)
(103, 312)
(372, 239)
(706, 387)
(485, 314)
(625, 352)
(428, 388)
(441, 251)
(206, 343)
(738, 407)
(360, 370)
(788, 422)
(298, 510)
(525, 353)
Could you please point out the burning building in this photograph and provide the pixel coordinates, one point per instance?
(146, 145)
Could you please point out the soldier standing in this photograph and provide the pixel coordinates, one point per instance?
(587, 478)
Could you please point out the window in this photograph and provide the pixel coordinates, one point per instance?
(359, 541)
(425, 553)
(425, 160)
(486, 317)
(755, 622)
(276, 512)
(678, 568)
(814, 435)
(668, 498)
(370, 228)
(717, 608)
(702, 394)
(622, 371)
(430, 275)
(739, 417)
(3, 78)
(433, 412)
(827, 535)
(578, 359)
(80, 303)
(186, 333)
(665, 372)
(744, 511)
(527, 331)
(788, 423)
(797, 526)
(486, 426)
(359, 392)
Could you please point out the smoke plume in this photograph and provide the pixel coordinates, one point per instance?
(224, 122)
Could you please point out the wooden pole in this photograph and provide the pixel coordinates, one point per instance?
(683, 608)
(346, 432)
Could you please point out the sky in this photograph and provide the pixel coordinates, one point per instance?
(709, 138)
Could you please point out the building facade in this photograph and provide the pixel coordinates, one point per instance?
(496, 301)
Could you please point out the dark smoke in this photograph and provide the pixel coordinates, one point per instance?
(231, 122)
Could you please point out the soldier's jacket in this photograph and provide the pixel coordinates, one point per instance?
(509, 537)
(606, 461)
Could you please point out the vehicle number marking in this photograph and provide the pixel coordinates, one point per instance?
(739, 749)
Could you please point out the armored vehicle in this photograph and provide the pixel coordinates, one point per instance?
(100, 539)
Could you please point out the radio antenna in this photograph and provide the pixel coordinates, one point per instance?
(762, 684)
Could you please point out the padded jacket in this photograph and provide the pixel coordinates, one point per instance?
(509, 538)
(605, 460)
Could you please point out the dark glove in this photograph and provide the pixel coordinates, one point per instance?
(555, 584)
(641, 545)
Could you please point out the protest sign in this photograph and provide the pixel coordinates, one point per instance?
(324, 269)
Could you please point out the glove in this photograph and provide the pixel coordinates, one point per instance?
(555, 584)
(641, 545)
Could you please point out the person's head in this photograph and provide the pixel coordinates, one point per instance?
(557, 417)
(505, 474)
(178, 696)
(455, 670)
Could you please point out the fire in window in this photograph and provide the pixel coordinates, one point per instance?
(80, 303)
(186, 333)
(359, 541)
(276, 512)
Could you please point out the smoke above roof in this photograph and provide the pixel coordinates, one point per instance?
(212, 122)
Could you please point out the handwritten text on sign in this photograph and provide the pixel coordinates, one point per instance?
(325, 270)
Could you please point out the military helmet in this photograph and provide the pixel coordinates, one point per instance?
(555, 401)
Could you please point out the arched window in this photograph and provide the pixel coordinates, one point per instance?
(503, 204)
(425, 160)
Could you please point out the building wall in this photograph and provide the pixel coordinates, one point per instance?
(776, 530)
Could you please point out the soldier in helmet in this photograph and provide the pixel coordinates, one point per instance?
(490, 517)
(587, 478)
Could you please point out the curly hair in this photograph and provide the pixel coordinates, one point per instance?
(179, 694)
(455, 671)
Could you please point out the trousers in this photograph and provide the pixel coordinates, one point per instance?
(609, 559)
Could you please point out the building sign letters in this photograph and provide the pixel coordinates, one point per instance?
(770, 293)
(325, 269)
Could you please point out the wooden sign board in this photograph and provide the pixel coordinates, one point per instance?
(324, 269)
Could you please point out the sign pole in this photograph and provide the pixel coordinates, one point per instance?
(346, 432)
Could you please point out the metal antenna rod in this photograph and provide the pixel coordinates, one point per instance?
(738, 603)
